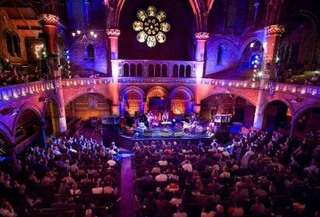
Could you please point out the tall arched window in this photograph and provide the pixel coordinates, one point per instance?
(151, 70)
(90, 53)
(9, 43)
(16, 45)
(221, 55)
(125, 70)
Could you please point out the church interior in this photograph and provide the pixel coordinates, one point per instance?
(159, 108)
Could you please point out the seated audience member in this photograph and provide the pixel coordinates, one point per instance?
(176, 199)
(180, 212)
(64, 187)
(161, 177)
(89, 213)
(163, 206)
(219, 211)
(7, 210)
(207, 211)
(98, 189)
(146, 178)
(235, 211)
(108, 189)
(163, 161)
(187, 166)
(257, 209)
(74, 189)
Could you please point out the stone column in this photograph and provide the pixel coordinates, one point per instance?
(259, 117)
(113, 35)
(43, 134)
(87, 12)
(59, 120)
(202, 38)
(49, 27)
(271, 47)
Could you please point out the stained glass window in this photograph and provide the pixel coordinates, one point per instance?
(151, 26)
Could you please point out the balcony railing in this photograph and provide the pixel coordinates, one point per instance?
(157, 68)
(25, 89)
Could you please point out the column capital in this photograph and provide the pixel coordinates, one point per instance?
(276, 29)
(48, 19)
(113, 32)
(202, 35)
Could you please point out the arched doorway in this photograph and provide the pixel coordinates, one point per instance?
(277, 116)
(307, 124)
(27, 126)
(84, 114)
(4, 147)
(242, 110)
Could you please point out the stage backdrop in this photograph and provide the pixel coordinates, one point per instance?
(157, 104)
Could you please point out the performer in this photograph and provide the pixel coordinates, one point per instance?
(150, 118)
(165, 117)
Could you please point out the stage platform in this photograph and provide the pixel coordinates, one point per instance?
(128, 138)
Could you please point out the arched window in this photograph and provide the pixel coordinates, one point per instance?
(188, 72)
(164, 71)
(175, 71)
(132, 70)
(90, 53)
(9, 43)
(157, 70)
(221, 53)
(125, 70)
(181, 71)
(139, 70)
(16, 45)
(151, 70)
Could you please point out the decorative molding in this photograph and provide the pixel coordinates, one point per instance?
(202, 35)
(274, 29)
(49, 19)
(113, 32)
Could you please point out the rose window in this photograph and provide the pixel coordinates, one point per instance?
(151, 26)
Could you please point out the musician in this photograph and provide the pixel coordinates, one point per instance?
(165, 117)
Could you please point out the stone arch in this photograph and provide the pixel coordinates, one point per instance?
(231, 54)
(301, 111)
(276, 116)
(233, 92)
(28, 106)
(132, 100)
(87, 91)
(6, 131)
(157, 88)
(184, 89)
(131, 88)
(252, 47)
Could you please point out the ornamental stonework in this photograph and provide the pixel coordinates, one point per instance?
(274, 29)
(202, 35)
(49, 19)
(113, 32)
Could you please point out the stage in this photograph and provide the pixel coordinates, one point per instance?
(165, 132)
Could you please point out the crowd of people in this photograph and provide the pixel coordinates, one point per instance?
(262, 174)
(55, 178)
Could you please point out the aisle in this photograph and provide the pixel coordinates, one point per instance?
(126, 191)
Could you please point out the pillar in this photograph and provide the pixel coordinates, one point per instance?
(58, 118)
(201, 38)
(259, 117)
(43, 134)
(49, 27)
(113, 35)
(87, 12)
(271, 47)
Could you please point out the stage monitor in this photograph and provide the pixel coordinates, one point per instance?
(110, 120)
(222, 118)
